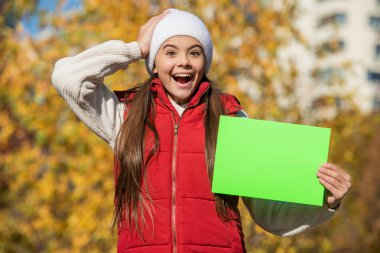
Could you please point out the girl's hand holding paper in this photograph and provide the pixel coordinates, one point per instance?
(336, 181)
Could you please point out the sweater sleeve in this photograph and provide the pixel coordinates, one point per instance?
(286, 219)
(283, 218)
(79, 80)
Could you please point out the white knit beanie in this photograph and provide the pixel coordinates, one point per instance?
(179, 23)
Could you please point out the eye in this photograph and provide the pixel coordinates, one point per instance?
(170, 53)
(195, 53)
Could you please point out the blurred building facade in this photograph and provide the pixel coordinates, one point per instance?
(344, 38)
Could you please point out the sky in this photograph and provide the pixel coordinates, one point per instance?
(31, 23)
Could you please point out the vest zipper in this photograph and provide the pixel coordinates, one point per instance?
(174, 169)
(174, 165)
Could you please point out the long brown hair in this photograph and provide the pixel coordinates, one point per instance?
(130, 202)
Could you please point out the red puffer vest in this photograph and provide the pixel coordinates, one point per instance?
(184, 215)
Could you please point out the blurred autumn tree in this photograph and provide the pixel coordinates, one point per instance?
(56, 180)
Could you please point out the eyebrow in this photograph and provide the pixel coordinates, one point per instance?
(174, 46)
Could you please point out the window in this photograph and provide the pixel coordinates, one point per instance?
(334, 19)
(373, 76)
(377, 51)
(330, 74)
(376, 104)
(374, 22)
(341, 44)
(332, 46)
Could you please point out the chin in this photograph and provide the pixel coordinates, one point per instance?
(181, 99)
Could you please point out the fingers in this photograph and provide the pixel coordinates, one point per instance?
(155, 19)
(337, 169)
(335, 180)
(338, 193)
(146, 32)
(334, 196)
(334, 175)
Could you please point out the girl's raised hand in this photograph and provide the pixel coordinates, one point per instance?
(336, 181)
(146, 32)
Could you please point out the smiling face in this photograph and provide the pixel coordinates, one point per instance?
(180, 65)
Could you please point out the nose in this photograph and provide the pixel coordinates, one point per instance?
(183, 60)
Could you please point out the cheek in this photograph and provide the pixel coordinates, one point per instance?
(200, 66)
(163, 66)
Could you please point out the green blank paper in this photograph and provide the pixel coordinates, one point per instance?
(270, 160)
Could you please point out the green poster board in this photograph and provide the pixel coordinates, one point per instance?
(270, 160)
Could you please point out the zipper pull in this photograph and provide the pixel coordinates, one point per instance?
(176, 129)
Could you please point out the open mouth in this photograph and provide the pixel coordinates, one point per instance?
(182, 78)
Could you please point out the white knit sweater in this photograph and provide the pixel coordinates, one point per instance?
(79, 80)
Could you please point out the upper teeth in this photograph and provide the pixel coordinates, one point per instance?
(182, 75)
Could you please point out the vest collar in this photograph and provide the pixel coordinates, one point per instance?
(158, 87)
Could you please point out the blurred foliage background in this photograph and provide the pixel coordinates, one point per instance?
(56, 180)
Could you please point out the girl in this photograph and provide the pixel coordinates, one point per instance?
(163, 133)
